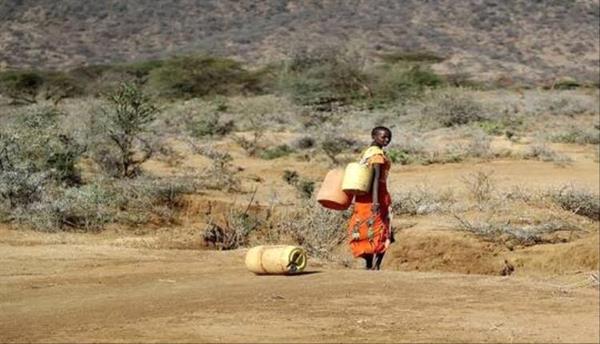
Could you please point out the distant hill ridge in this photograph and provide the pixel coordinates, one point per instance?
(489, 40)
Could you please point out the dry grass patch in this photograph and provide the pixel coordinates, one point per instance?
(542, 152)
(422, 200)
(521, 217)
(577, 200)
(316, 229)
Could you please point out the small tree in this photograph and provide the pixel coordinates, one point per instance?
(323, 76)
(125, 122)
(332, 146)
(58, 86)
(21, 86)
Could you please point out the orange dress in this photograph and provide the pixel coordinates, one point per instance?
(368, 231)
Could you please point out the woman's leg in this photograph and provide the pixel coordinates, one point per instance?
(368, 261)
(378, 260)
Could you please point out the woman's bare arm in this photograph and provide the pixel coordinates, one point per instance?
(375, 188)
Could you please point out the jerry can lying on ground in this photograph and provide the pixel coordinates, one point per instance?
(276, 259)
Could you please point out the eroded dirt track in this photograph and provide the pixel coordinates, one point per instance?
(98, 293)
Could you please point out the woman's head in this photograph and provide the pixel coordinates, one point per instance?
(382, 136)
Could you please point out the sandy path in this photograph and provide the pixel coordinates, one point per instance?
(96, 293)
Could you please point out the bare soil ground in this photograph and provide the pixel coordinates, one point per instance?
(102, 293)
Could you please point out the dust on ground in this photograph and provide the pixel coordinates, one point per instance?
(72, 292)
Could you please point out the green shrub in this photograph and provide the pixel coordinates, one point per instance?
(153, 199)
(90, 207)
(565, 84)
(492, 127)
(258, 126)
(422, 76)
(578, 135)
(415, 56)
(178, 77)
(90, 72)
(22, 86)
(99, 80)
(221, 175)
(36, 158)
(36, 143)
(409, 149)
(35, 154)
(40, 184)
(210, 124)
(401, 156)
(59, 85)
(276, 152)
(394, 82)
(332, 146)
(27, 86)
(123, 126)
(322, 76)
(462, 80)
(141, 69)
(441, 157)
(565, 105)
(199, 76)
(507, 123)
(291, 177)
(305, 187)
(452, 108)
(20, 187)
(78, 208)
(305, 142)
(309, 89)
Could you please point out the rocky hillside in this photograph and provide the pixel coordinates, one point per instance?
(536, 41)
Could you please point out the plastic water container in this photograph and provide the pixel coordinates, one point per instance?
(357, 178)
(276, 259)
(330, 193)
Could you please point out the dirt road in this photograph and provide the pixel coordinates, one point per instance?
(102, 293)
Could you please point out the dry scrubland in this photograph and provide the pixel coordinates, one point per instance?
(126, 214)
(507, 41)
(133, 179)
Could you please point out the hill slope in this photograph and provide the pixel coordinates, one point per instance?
(518, 39)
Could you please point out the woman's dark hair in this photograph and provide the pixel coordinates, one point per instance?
(378, 129)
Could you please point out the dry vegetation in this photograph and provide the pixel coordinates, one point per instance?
(229, 156)
(495, 156)
(85, 179)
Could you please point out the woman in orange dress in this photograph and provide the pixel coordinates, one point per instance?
(369, 227)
